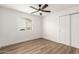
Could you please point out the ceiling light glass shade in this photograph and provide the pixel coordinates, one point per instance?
(39, 11)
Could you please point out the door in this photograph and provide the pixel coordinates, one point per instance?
(75, 30)
(64, 30)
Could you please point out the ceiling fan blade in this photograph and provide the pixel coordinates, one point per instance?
(34, 12)
(45, 11)
(33, 7)
(44, 6)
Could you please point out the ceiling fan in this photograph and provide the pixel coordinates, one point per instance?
(40, 9)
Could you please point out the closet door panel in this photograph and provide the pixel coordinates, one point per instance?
(64, 30)
(75, 30)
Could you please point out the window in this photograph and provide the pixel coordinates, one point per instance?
(24, 24)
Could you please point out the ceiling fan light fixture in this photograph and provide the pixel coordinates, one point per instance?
(41, 14)
(40, 11)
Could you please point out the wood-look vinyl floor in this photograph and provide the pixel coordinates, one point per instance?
(38, 46)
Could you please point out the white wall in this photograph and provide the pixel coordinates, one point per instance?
(8, 27)
(50, 27)
(51, 24)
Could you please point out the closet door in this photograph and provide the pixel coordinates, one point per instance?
(64, 30)
(75, 30)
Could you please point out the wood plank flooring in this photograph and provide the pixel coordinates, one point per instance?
(38, 46)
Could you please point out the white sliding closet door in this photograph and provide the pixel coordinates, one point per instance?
(75, 30)
(64, 30)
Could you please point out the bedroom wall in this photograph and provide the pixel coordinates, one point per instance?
(8, 27)
(51, 24)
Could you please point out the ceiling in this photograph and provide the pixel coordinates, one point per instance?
(25, 7)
